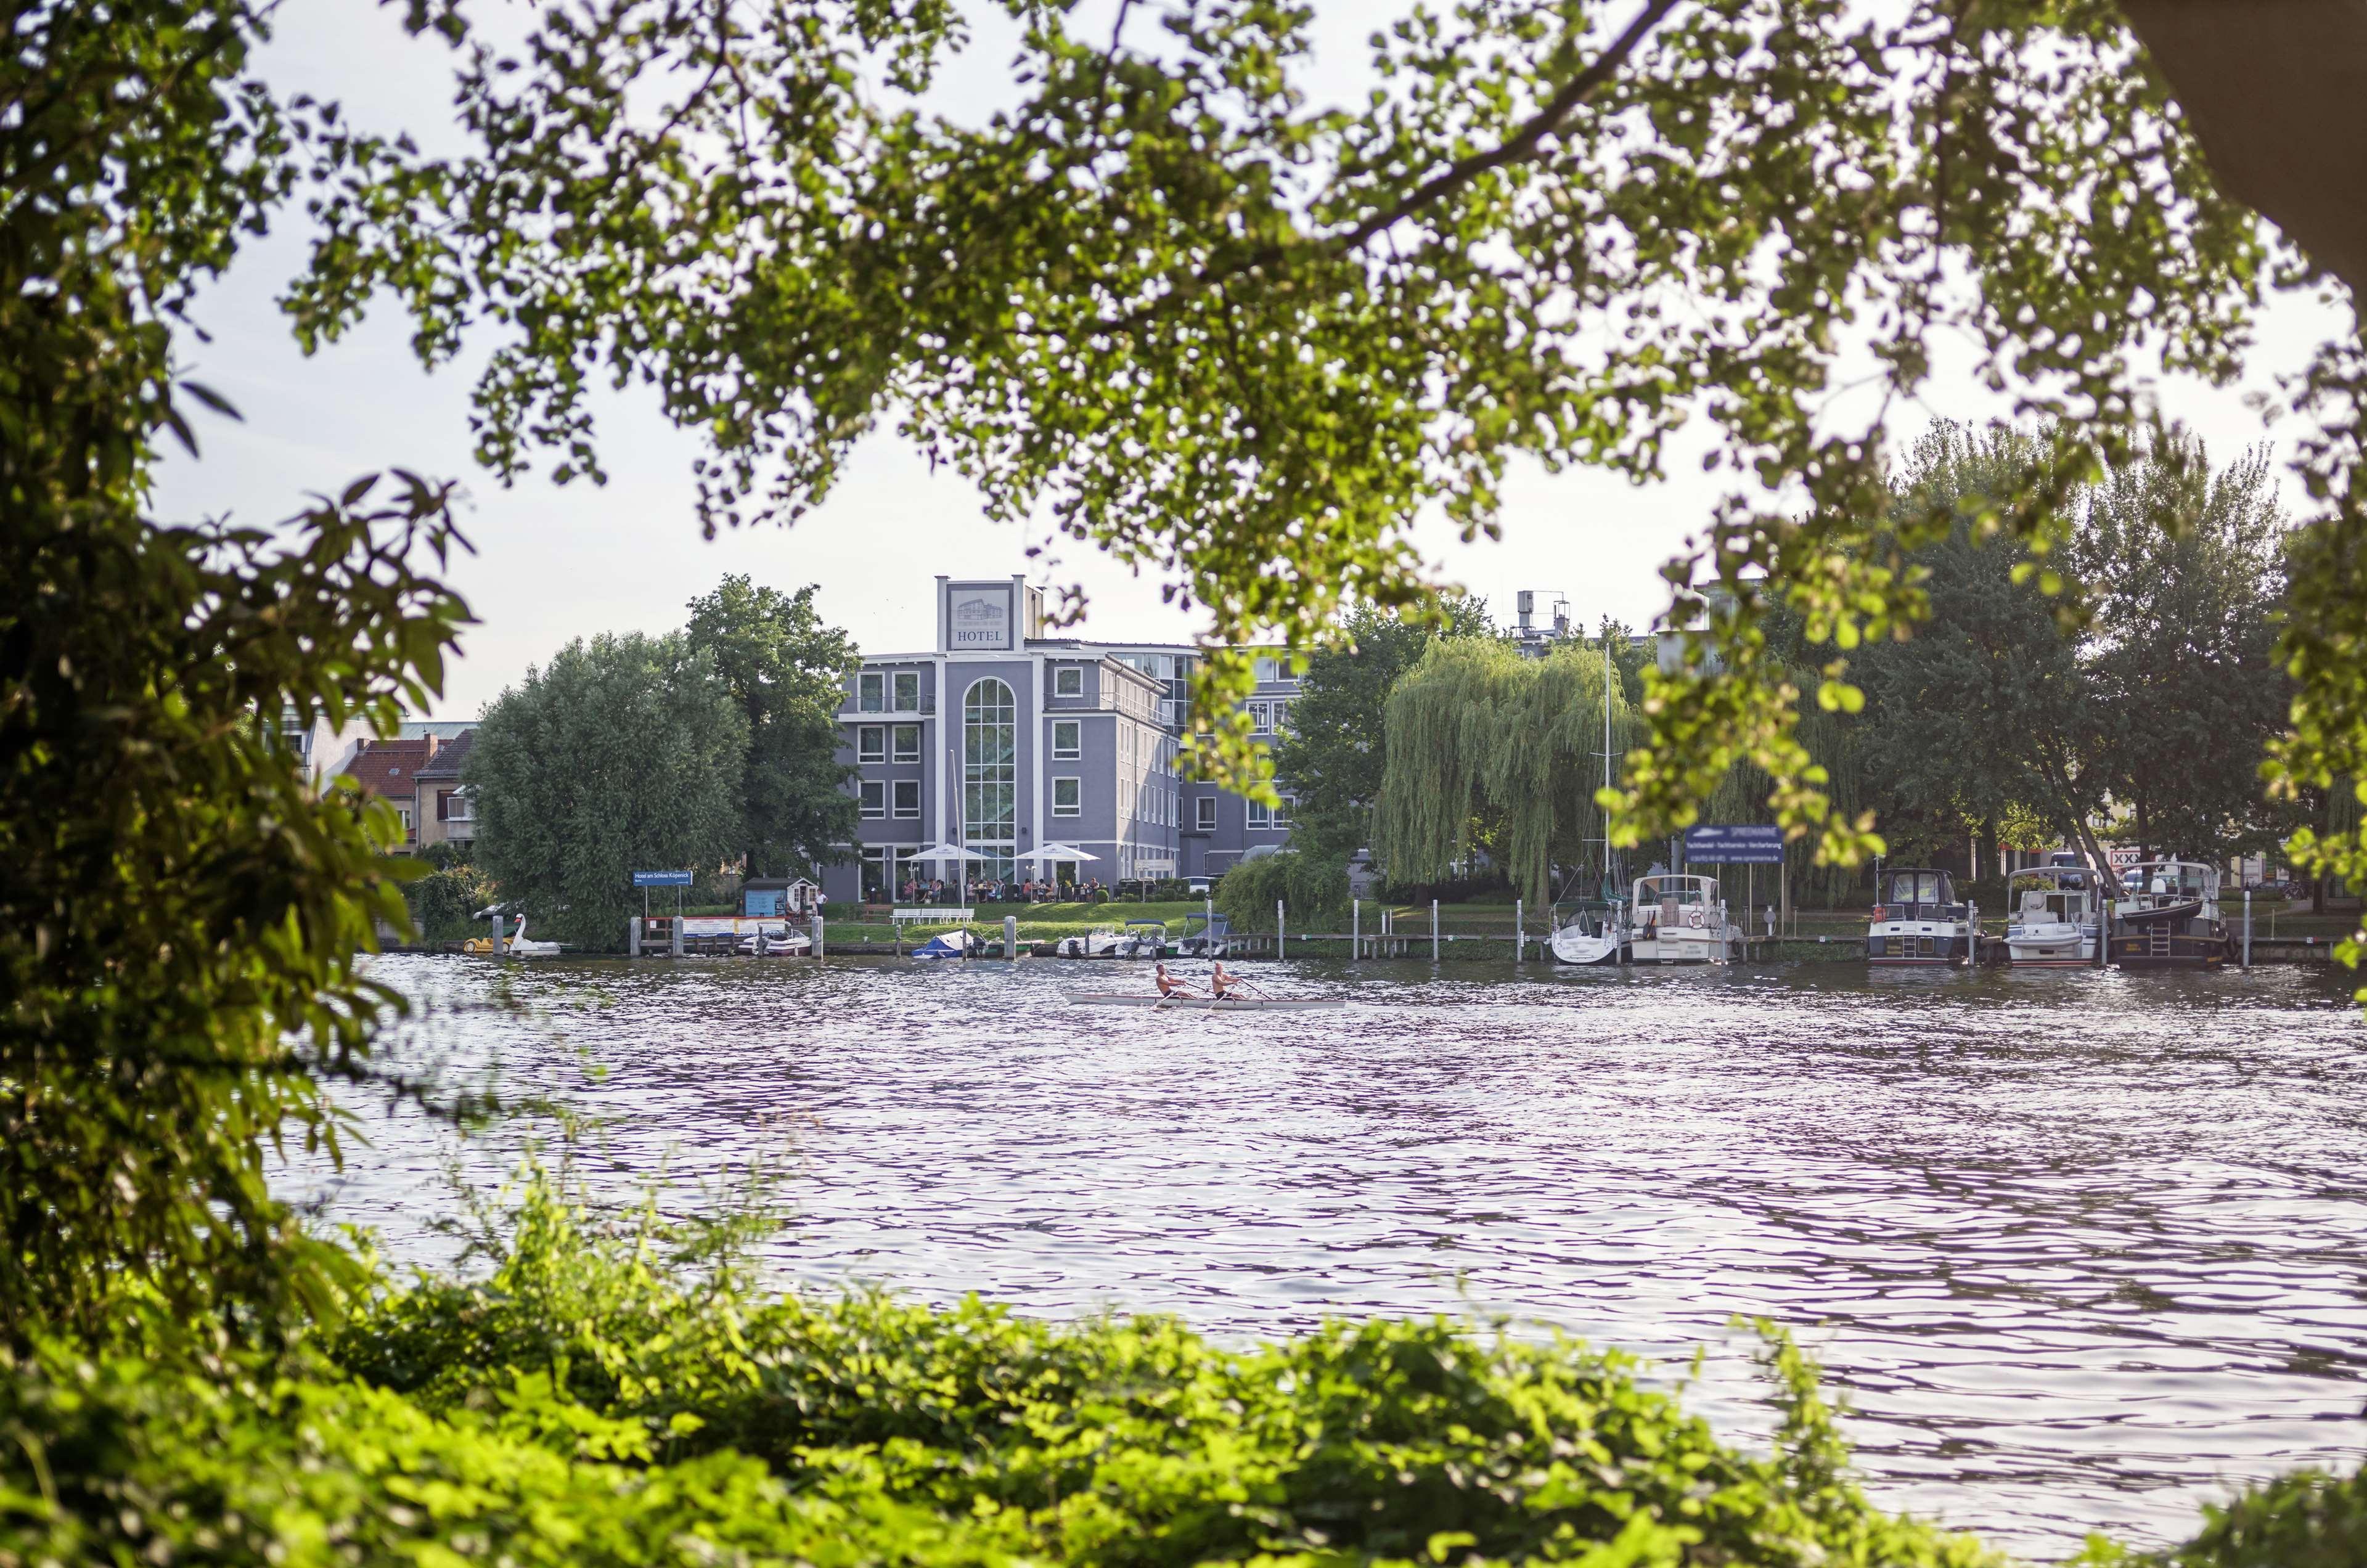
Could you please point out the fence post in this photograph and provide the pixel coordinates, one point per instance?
(1010, 938)
(819, 923)
(1355, 928)
(1433, 931)
(499, 947)
(1520, 937)
(633, 935)
(673, 945)
(1281, 938)
(2248, 928)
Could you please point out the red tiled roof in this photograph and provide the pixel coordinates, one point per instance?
(389, 767)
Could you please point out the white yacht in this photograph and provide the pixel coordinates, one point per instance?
(2051, 917)
(1679, 920)
(1917, 919)
(2168, 916)
(1594, 933)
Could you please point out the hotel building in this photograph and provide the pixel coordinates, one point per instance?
(1005, 741)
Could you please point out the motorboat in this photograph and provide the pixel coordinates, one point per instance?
(1595, 933)
(1143, 939)
(1103, 941)
(2168, 916)
(1678, 918)
(2051, 917)
(960, 942)
(1918, 921)
(1205, 936)
(775, 939)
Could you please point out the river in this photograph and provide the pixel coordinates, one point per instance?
(2080, 1250)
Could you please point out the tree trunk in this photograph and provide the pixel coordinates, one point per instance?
(2273, 89)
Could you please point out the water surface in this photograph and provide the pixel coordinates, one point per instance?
(2080, 1250)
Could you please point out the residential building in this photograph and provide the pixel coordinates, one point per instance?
(441, 806)
(389, 770)
(1005, 741)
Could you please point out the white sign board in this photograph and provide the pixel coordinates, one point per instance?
(980, 615)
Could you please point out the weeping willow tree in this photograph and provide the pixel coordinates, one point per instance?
(1833, 743)
(1492, 752)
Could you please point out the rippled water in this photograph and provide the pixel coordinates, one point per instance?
(2079, 1250)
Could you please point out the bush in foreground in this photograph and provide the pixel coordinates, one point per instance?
(610, 1396)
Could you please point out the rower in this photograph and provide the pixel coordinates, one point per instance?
(1221, 985)
(1168, 985)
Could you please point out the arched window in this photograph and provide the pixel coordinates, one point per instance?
(991, 777)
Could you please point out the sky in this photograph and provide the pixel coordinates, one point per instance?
(554, 563)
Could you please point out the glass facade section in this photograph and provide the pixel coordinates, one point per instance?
(907, 690)
(991, 777)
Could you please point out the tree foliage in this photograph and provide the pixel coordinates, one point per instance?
(1335, 752)
(787, 669)
(2185, 568)
(179, 911)
(2154, 712)
(621, 754)
(1492, 751)
(1245, 338)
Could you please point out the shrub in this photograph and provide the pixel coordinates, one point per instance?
(442, 902)
(1313, 890)
(1127, 1441)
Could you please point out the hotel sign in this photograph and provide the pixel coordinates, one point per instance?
(981, 616)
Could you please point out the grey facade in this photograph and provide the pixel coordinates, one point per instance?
(1004, 741)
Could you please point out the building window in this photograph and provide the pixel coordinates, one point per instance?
(1269, 669)
(464, 806)
(1281, 716)
(871, 743)
(908, 798)
(874, 797)
(870, 691)
(907, 690)
(991, 777)
(1067, 798)
(908, 742)
(1068, 680)
(1260, 718)
(1282, 812)
(1207, 810)
(1067, 739)
(1260, 815)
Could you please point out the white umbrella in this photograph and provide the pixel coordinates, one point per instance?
(1058, 852)
(940, 851)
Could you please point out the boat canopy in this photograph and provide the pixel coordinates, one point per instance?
(1683, 889)
(2174, 879)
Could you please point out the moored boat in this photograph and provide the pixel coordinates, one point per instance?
(2051, 917)
(1679, 920)
(1918, 921)
(2169, 918)
(1594, 933)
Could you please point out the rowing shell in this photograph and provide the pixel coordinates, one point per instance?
(1202, 1004)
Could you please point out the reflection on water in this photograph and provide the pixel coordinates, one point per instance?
(2079, 1248)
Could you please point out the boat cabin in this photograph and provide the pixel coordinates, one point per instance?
(1916, 893)
(2048, 895)
(2171, 882)
(1672, 900)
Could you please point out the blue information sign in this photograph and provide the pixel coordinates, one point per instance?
(660, 879)
(1726, 843)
